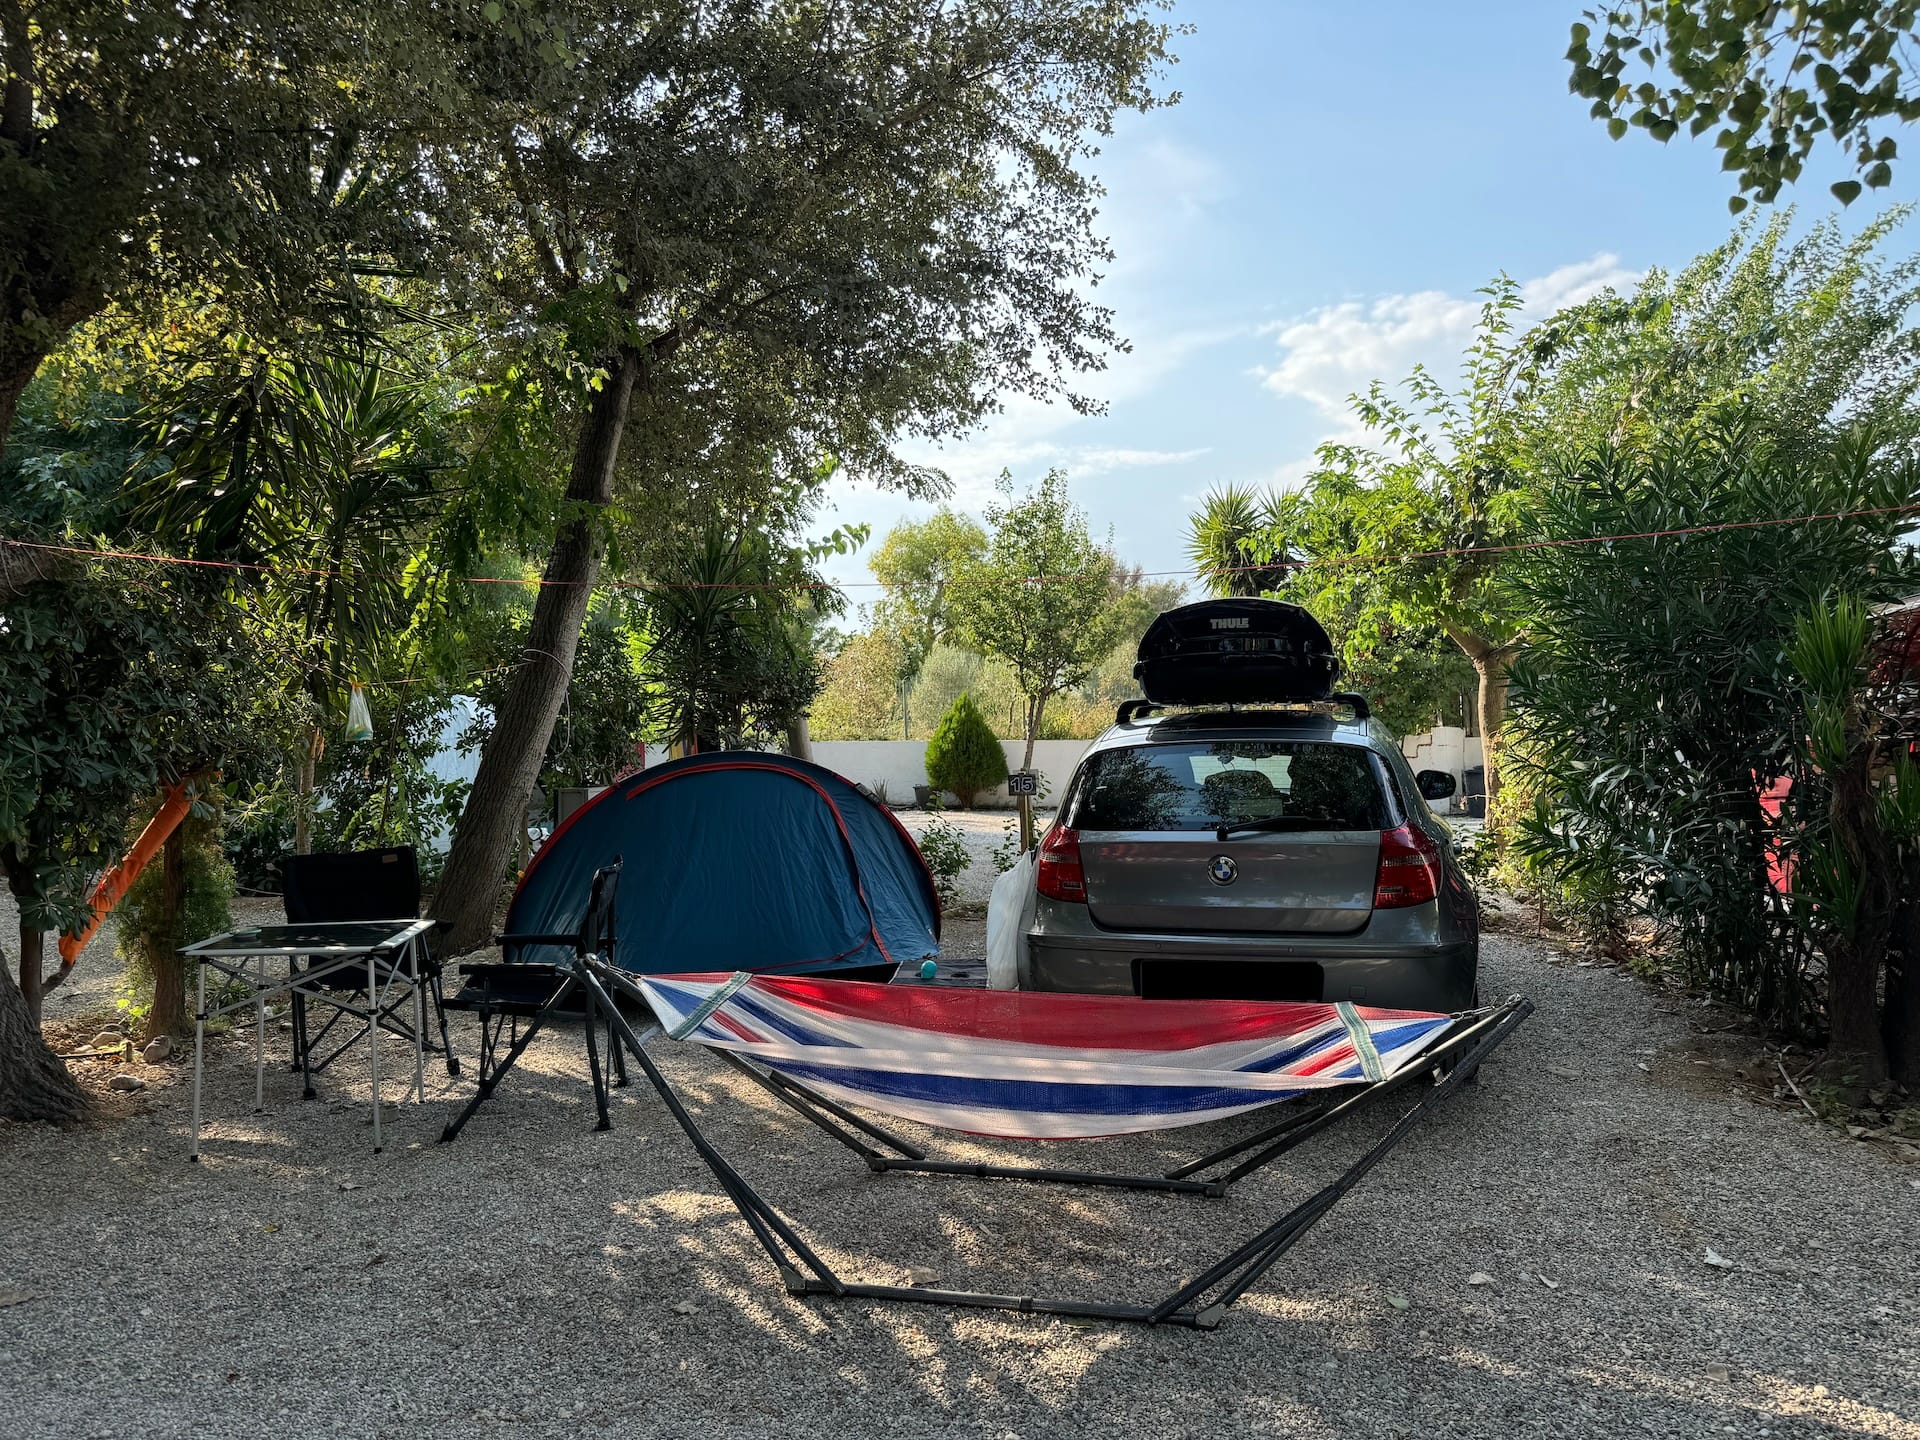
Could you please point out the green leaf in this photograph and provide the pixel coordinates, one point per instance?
(1736, 203)
(1846, 191)
(492, 11)
(1616, 127)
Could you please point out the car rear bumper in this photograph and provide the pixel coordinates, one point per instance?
(1400, 976)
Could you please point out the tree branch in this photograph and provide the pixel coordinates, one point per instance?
(16, 105)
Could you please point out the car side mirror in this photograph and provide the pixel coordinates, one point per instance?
(1435, 784)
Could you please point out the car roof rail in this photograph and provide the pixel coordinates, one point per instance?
(1131, 710)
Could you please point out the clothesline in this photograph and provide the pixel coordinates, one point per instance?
(1208, 573)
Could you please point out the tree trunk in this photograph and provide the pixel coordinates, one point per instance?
(1492, 673)
(303, 791)
(496, 806)
(32, 979)
(1856, 1045)
(1036, 706)
(16, 373)
(169, 1013)
(799, 739)
(1902, 1014)
(1491, 663)
(1856, 1050)
(34, 1085)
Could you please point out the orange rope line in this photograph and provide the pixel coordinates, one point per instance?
(1353, 558)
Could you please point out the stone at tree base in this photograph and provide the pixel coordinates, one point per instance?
(159, 1050)
(126, 1082)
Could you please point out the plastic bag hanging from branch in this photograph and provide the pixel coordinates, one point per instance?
(359, 719)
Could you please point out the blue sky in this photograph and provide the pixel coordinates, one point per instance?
(1319, 210)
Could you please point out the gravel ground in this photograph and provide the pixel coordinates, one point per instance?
(535, 1277)
(982, 830)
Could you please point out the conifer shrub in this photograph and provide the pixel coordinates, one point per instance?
(964, 755)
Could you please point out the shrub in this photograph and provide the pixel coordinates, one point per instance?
(944, 849)
(1656, 700)
(160, 913)
(964, 755)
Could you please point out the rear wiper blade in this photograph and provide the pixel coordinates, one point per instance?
(1271, 822)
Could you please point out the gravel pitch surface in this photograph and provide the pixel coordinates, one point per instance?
(537, 1278)
(980, 831)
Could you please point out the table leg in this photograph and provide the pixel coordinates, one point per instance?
(199, 1056)
(260, 1037)
(416, 950)
(373, 1048)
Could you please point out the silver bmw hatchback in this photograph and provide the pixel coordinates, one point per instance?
(1283, 854)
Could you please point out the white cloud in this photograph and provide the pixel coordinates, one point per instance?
(1102, 462)
(1030, 435)
(1330, 353)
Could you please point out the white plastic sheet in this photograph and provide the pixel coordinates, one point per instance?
(1009, 915)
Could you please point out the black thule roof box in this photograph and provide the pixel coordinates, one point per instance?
(1236, 652)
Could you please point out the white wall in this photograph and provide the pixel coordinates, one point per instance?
(899, 765)
(1447, 748)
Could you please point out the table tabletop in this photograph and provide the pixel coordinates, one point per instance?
(319, 938)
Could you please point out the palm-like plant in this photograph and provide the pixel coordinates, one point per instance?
(321, 472)
(1230, 541)
(731, 624)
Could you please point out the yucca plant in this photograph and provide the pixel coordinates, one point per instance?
(321, 471)
(1229, 542)
(1856, 860)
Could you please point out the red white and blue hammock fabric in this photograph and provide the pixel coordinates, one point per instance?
(1034, 1065)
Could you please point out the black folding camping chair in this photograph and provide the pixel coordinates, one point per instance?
(359, 885)
(513, 999)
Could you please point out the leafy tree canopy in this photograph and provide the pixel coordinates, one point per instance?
(916, 563)
(1039, 600)
(1771, 81)
(964, 755)
(268, 148)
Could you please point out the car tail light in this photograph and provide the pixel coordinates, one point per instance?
(1058, 875)
(1409, 871)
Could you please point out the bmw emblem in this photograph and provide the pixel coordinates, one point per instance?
(1222, 870)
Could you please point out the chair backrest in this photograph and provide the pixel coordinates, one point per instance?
(597, 935)
(355, 885)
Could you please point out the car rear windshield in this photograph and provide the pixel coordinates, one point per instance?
(1272, 784)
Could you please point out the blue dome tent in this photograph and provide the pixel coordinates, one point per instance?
(738, 861)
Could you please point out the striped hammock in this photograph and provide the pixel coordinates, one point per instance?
(1037, 1066)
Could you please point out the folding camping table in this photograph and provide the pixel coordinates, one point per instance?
(393, 952)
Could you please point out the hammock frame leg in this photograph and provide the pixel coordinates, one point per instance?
(803, 1103)
(1043, 1175)
(1189, 1306)
(765, 1222)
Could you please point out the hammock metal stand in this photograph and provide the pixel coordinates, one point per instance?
(1201, 1303)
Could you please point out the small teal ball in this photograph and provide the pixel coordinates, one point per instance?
(928, 969)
